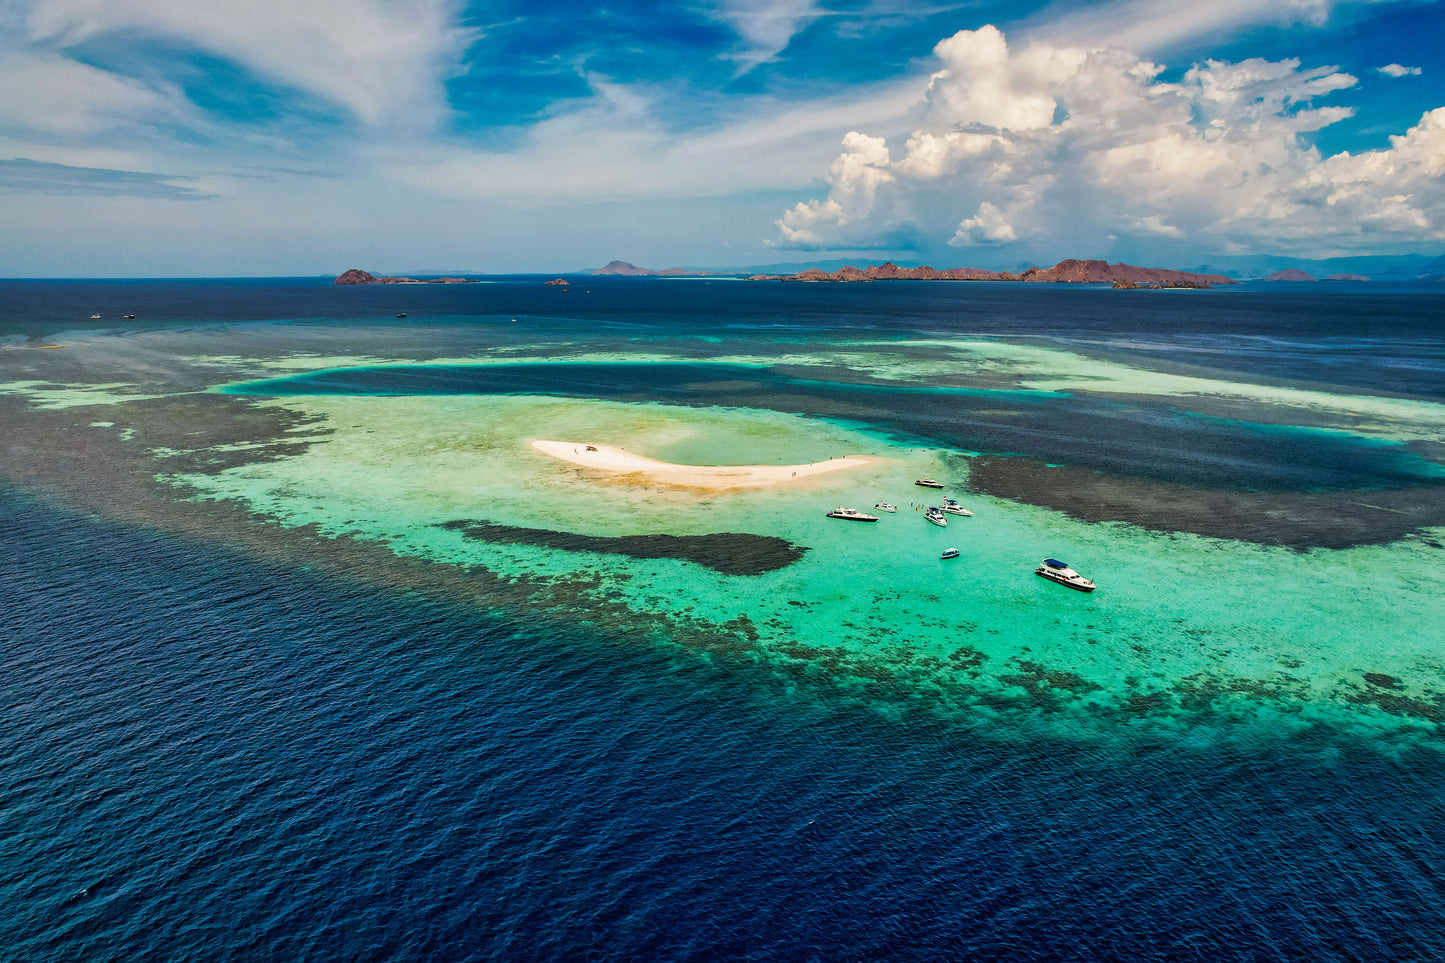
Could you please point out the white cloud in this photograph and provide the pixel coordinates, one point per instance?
(766, 26)
(52, 96)
(1043, 144)
(1153, 27)
(1396, 70)
(987, 226)
(611, 147)
(384, 62)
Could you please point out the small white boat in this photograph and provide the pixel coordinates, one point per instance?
(928, 483)
(949, 553)
(954, 508)
(95, 317)
(885, 507)
(852, 515)
(936, 517)
(1057, 571)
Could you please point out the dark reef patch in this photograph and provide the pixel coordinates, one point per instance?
(1298, 520)
(731, 553)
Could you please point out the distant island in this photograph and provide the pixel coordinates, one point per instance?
(629, 270)
(1069, 271)
(1289, 274)
(358, 276)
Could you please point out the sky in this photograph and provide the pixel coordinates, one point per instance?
(182, 138)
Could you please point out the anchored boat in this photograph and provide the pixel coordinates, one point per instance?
(852, 515)
(1057, 571)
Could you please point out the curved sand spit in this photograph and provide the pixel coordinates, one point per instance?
(619, 461)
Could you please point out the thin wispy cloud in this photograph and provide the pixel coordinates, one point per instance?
(27, 176)
(766, 27)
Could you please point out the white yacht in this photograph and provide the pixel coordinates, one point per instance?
(1057, 571)
(885, 507)
(954, 508)
(936, 517)
(949, 553)
(852, 515)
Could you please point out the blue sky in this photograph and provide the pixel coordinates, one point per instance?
(284, 137)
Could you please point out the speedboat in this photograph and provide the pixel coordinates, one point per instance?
(949, 553)
(1057, 571)
(851, 514)
(127, 317)
(885, 507)
(928, 483)
(95, 317)
(954, 508)
(936, 517)
(401, 315)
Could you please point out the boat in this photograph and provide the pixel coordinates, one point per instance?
(852, 515)
(95, 317)
(936, 517)
(127, 317)
(928, 483)
(954, 508)
(401, 315)
(949, 553)
(885, 507)
(1057, 571)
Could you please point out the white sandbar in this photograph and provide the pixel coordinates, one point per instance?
(619, 461)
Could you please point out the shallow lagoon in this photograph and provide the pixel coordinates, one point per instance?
(415, 438)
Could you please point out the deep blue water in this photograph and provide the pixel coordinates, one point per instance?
(1376, 336)
(207, 758)
(204, 756)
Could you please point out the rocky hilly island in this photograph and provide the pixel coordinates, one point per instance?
(1070, 271)
(358, 276)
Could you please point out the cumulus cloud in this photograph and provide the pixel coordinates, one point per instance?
(1396, 70)
(1045, 143)
(987, 226)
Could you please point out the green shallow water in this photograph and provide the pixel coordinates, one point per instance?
(1185, 632)
(1180, 622)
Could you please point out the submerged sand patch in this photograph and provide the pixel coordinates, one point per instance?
(618, 461)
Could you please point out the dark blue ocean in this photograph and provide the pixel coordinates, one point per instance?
(208, 756)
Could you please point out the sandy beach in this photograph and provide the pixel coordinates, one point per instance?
(620, 462)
